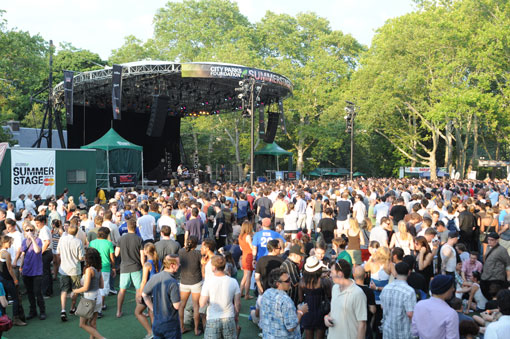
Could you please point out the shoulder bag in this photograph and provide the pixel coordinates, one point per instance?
(85, 308)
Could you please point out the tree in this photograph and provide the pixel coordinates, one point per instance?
(319, 62)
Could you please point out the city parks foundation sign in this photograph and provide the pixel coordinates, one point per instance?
(32, 171)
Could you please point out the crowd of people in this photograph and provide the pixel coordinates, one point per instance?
(376, 258)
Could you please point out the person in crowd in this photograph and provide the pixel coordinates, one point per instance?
(339, 245)
(32, 271)
(379, 234)
(91, 284)
(496, 267)
(424, 259)
(161, 295)
(166, 245)
(402, 238)
(146, 224)
(290, 221)
(8, 278)
(194, 226)
(278, 315)
(500, 328)
(71, 253)
(348, 315)
(106, 251)
(471, 265)
(355, 240)
(477, 300)
(47, 255)
(433, 318)
(397, 301)
(131, 251)
(190, 282)
(291, 266)
(92, 233)
(245, 242)
(222, 295)
(167, 220)
(327, 227)
(314, 290)
(266, 264)
(150, 268)
(467, 224)
(56, 233)
(262, 238)
(359, 276)
(280, 208)
(449, 255)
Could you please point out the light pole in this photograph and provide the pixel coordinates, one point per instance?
(350, 111)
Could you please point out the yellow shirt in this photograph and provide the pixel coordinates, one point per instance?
(279, 208)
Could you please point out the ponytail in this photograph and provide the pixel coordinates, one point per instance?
(191, 243)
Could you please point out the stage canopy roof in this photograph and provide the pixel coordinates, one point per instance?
(193, 89)
(272, 149)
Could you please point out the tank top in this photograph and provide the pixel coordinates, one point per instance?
(4, 272)
(92, 293)
(354, 242)
(380, 279)
(153, 269)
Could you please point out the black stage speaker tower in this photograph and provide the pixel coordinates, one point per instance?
(157, 119)
(272, 126)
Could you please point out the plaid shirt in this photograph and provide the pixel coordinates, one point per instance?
(397, 299)
(278, 316)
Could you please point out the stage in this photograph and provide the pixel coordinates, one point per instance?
(183, 90)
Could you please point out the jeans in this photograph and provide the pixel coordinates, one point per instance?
(33, 286)
(47, 280)
(10, 289)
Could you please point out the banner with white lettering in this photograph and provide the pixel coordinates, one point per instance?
(32, 171)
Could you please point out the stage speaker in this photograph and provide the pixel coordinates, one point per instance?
(157, 119)
(262, 131)
(272, 125)
(117, 91)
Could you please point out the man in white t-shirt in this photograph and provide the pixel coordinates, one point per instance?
(86, 224)
(379, 234)
(167, 220)
(146, 225)
(223, 295)
(17, 236)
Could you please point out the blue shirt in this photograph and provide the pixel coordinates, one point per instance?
(2, 294)
(242, 209)
(123, 229)
(261, 238)
(278, 316)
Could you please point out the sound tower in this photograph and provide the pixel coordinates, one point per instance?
(272, 125)
(262, 131)
(159, 111)
(68, 95)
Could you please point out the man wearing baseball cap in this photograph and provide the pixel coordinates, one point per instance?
(291, 266)
(496, 267)
(433, 318)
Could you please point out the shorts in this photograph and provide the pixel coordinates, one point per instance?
(106, 284)
(147, 241)
(196, 288)
(69, 282)
(220, 328)
(356, 256)
(127, 278)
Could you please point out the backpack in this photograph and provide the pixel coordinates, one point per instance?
(450, 225)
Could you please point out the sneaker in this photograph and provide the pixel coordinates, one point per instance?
(63, 316)
(99, 315)
(104, 307)
(31, 316)
(72, 310)
(18, 322)
(113, 292)
(42, 316)
(149, 336)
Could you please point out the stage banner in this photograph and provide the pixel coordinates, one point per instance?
(204, 70)
(32, 171)
(68, 95)
(123, 180)
(116, 91)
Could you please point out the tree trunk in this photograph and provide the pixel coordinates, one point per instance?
(474, 159)
(448, 154)
(195, 144)
(300, 159)
(413, 162)
(210, 150)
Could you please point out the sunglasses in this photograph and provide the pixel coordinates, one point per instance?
(29, 230)
(284, 281)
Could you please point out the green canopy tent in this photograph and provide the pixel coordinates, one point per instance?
(358, 174)
(268, 157)
(115, 155)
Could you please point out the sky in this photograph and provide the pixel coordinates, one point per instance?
(101, 25)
